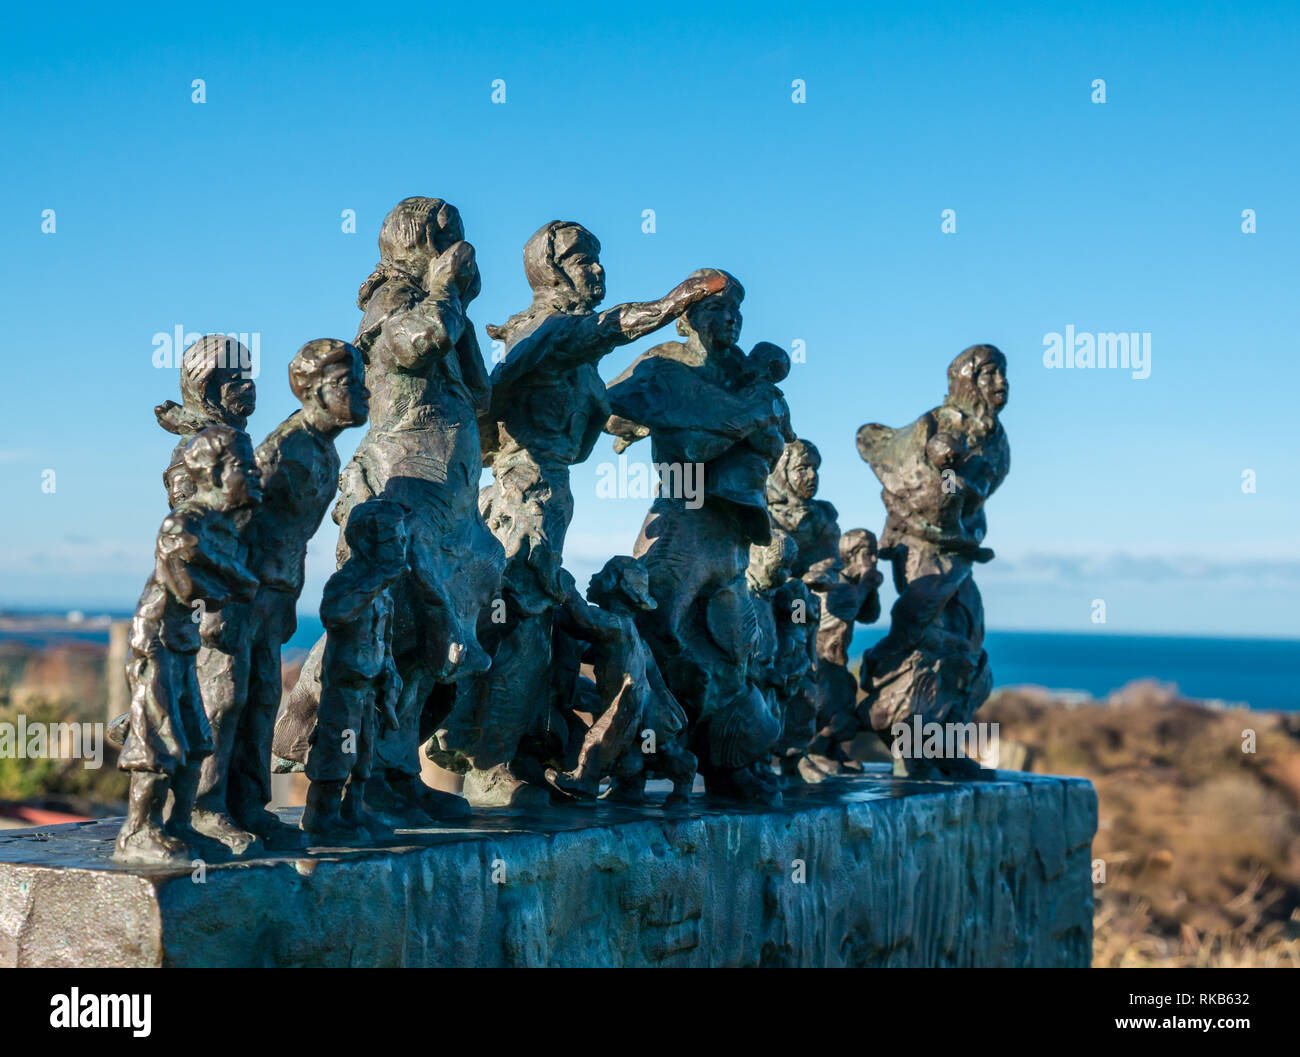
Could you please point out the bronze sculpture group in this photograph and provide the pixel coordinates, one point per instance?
(719, 646)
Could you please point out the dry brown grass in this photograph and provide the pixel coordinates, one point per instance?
(1199, 840)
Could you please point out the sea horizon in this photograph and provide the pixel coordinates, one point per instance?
(90, 615)
(1250, 671)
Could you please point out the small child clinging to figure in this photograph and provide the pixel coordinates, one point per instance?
(642, 728)
(766, 366)
(196, 570)
(358, 677)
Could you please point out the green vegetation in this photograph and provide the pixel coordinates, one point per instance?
(46, 778)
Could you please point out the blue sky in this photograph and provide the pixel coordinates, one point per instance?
(1122, 216)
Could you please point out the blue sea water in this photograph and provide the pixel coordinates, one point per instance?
(1261, 673)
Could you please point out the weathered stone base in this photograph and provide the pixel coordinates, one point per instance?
(865, 871)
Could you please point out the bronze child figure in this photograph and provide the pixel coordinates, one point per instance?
(195, 570)
(240, 671)
(844, 598)
(216, 389)
(642, 728)
(851, 589)
(358, 676)
(788, 614)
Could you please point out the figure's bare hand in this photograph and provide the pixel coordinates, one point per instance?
(695, 289)
(455, 269)
(712, 284)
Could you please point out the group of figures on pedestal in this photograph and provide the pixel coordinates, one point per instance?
(718, 648)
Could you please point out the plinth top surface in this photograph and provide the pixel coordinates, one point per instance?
(89, 845)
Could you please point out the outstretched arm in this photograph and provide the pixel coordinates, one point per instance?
(626, 323)
(564, 341)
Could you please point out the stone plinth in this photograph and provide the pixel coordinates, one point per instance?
(864, 871)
